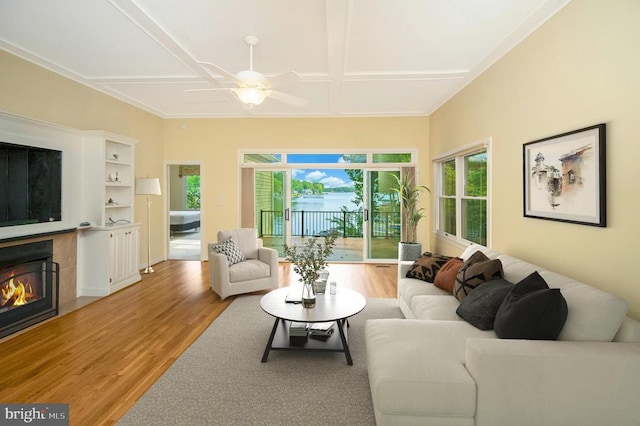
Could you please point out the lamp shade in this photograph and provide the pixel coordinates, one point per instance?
(148, 186)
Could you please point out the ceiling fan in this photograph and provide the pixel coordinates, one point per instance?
(253, 87)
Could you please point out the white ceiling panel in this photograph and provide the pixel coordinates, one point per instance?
(90, 38)
(292, 33)
(429, 36)
(353, 57)
(393, 97)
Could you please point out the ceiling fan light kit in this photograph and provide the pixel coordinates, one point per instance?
(253, 87)
(250, 95)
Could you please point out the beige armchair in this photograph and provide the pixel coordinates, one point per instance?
(259, 271)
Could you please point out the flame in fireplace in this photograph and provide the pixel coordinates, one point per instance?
(16, 295)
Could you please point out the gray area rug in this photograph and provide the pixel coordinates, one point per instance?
(219, 380)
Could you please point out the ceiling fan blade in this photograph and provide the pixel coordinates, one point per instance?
(221, 71)
(211, 89)
(284, 79)
(289, 99)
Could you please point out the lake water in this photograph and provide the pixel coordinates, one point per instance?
(331, 201)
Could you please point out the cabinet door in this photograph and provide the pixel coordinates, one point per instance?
(118, 242)
(133, 255)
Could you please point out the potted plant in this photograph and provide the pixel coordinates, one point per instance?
(409, 193)
(308, 261)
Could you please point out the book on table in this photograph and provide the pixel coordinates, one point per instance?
(321, 328)
(293, 297)
(298, 329)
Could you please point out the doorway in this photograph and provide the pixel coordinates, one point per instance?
(184, 195)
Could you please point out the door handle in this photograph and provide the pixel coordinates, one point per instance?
(366, 215)
(286, 214)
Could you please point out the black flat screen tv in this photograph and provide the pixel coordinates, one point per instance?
(30, 185)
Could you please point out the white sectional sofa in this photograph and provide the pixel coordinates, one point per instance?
(434, 368)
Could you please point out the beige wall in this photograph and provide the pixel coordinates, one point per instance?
(37, 93)
(581, 68)
(216, 142)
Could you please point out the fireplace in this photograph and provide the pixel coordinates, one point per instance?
(29, 283)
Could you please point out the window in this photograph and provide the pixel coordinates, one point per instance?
(462, 195)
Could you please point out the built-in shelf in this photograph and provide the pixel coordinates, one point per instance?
(112, 243)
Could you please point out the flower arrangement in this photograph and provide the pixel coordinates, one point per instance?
(311, 258)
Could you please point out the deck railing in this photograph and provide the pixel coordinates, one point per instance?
(305, 223)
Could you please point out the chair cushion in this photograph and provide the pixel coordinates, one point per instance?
(245, 238)
(229, 248)
(248, 270)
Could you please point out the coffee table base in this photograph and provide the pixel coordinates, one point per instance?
(336, 342)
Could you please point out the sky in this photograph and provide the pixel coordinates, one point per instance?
(330, 178)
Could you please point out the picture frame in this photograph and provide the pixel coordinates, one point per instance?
(564, 177)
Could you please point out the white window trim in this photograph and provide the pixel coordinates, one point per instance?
(458, 154)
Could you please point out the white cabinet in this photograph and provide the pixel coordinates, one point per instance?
(111, 259)
(109, 249)
(123, 249)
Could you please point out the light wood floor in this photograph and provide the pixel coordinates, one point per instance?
(102, 357)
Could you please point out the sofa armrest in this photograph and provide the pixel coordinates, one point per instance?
(553, 382)
(403, 268)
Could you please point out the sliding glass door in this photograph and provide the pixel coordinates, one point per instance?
(291, 197)
(271, 208)
(382, 216)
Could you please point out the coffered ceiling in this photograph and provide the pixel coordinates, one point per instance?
(354, 57)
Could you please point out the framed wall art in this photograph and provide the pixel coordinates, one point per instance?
(564, 177)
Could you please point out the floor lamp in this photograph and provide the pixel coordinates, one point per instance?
(148, 186)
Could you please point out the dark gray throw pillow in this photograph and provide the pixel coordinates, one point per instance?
(480, 306)
(531, 310)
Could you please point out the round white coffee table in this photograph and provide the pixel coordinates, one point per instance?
(329, 307)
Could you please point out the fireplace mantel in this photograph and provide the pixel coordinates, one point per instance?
(37, 235)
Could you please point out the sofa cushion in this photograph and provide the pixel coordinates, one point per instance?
(479, 308)
(531, 310)
(416, 368)
(435, 308)
(594, 315)
(229, 248)
(446, 276)
(427, 266)
(476, 270)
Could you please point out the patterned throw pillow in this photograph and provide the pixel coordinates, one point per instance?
(427, 266)
(476, 270)
(446, 276)
(229, 248)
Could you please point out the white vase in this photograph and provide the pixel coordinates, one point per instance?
(409, 251)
